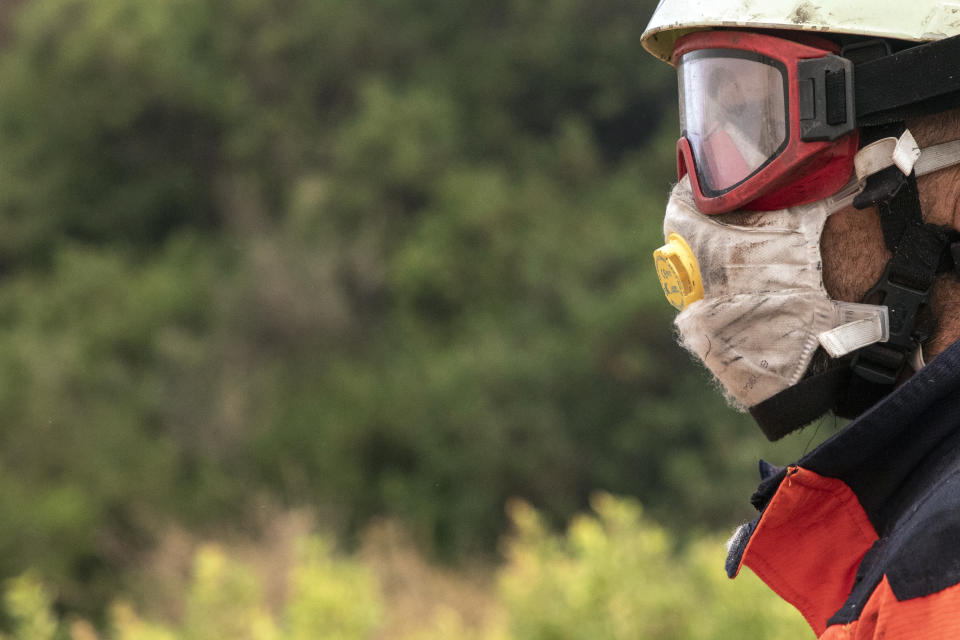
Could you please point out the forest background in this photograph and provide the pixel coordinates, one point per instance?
(358, 292)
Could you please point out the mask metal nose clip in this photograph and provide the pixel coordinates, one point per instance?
(679, 272)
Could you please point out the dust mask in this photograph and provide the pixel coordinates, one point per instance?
(750, 289)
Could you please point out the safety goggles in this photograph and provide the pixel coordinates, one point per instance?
(767, 123)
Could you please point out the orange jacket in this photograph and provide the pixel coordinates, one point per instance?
(862, 535)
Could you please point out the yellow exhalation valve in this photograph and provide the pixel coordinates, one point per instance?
(679, 272)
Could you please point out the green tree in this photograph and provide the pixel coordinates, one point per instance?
(374, 257)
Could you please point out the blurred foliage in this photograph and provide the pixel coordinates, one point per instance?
(328, 598)
(613, 576)
(618, 576)
(28, 604)
(375, 257)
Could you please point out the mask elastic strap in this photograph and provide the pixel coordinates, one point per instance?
(904, 153)
(884, 165)
(859, 325)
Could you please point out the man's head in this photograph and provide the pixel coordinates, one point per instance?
(782, 105)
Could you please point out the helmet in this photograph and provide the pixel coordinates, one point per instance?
(917, 21)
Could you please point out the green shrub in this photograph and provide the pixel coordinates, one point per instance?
(28, 605)
(370, 257)
(617, 576)
(328, 598)
(613, 575)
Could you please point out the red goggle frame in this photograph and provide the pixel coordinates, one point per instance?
(758, 130)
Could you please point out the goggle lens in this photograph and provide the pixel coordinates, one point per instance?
(733, 113)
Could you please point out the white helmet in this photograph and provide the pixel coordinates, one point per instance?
(916, 21)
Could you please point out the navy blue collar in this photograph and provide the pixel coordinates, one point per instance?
(897, 444)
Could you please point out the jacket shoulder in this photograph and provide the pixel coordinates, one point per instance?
(925, 549)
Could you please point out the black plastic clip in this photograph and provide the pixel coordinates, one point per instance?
(826, 97)
(866, 50)
(881, 186)
(882, 362)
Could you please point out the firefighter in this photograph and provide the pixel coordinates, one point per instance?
(812, 250)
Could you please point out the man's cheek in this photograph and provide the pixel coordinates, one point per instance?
(853, 253)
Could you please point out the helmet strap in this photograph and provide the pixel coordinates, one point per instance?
(799, 405)
(920, 252)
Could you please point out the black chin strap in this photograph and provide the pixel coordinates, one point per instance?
(920, 251)
(804, 402)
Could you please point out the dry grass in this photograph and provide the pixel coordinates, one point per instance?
(415, 592)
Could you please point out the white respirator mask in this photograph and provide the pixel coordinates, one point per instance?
(749, 286)
(753, 305)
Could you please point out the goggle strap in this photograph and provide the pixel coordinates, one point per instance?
(912, 82)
